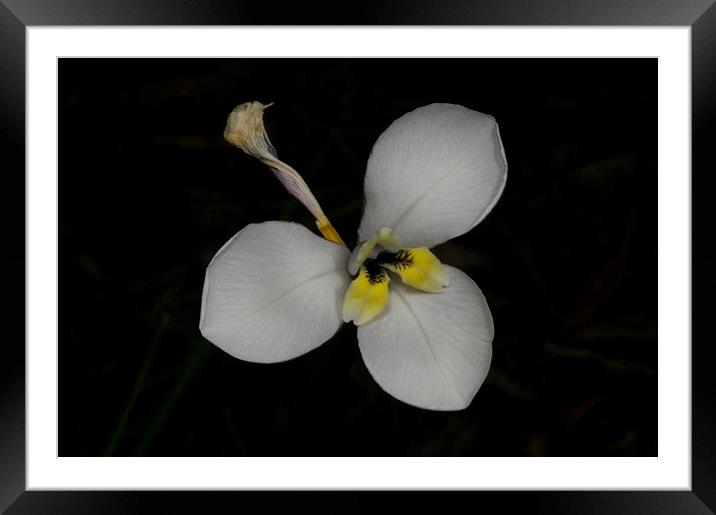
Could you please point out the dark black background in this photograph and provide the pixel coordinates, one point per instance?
(149, 191)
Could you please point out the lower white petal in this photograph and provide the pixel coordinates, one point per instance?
(273, 292)
(431, 350)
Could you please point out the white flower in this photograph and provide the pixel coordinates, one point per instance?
(276, 290)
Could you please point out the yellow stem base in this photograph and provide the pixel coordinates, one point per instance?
(329, 232)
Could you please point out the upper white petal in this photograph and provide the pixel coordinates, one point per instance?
(433, 175)
(431, 350)
(273, 292)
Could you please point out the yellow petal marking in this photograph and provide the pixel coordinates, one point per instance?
(419, 268)
(366, 297)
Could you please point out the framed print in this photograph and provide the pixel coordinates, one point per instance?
(473, 272)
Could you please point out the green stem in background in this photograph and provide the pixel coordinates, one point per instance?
(194, 363)
(138, 385)
(538, 281)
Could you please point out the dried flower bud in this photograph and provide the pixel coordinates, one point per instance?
(245, 130)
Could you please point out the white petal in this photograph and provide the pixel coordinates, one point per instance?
(273, 292)
(431, 350)
(433, 175)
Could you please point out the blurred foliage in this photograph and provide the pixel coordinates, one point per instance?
(149, 191)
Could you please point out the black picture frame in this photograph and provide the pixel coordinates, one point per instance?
(17, 15)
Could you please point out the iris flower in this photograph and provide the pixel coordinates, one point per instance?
(276, 290)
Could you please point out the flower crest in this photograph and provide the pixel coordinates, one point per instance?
(276, 290)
